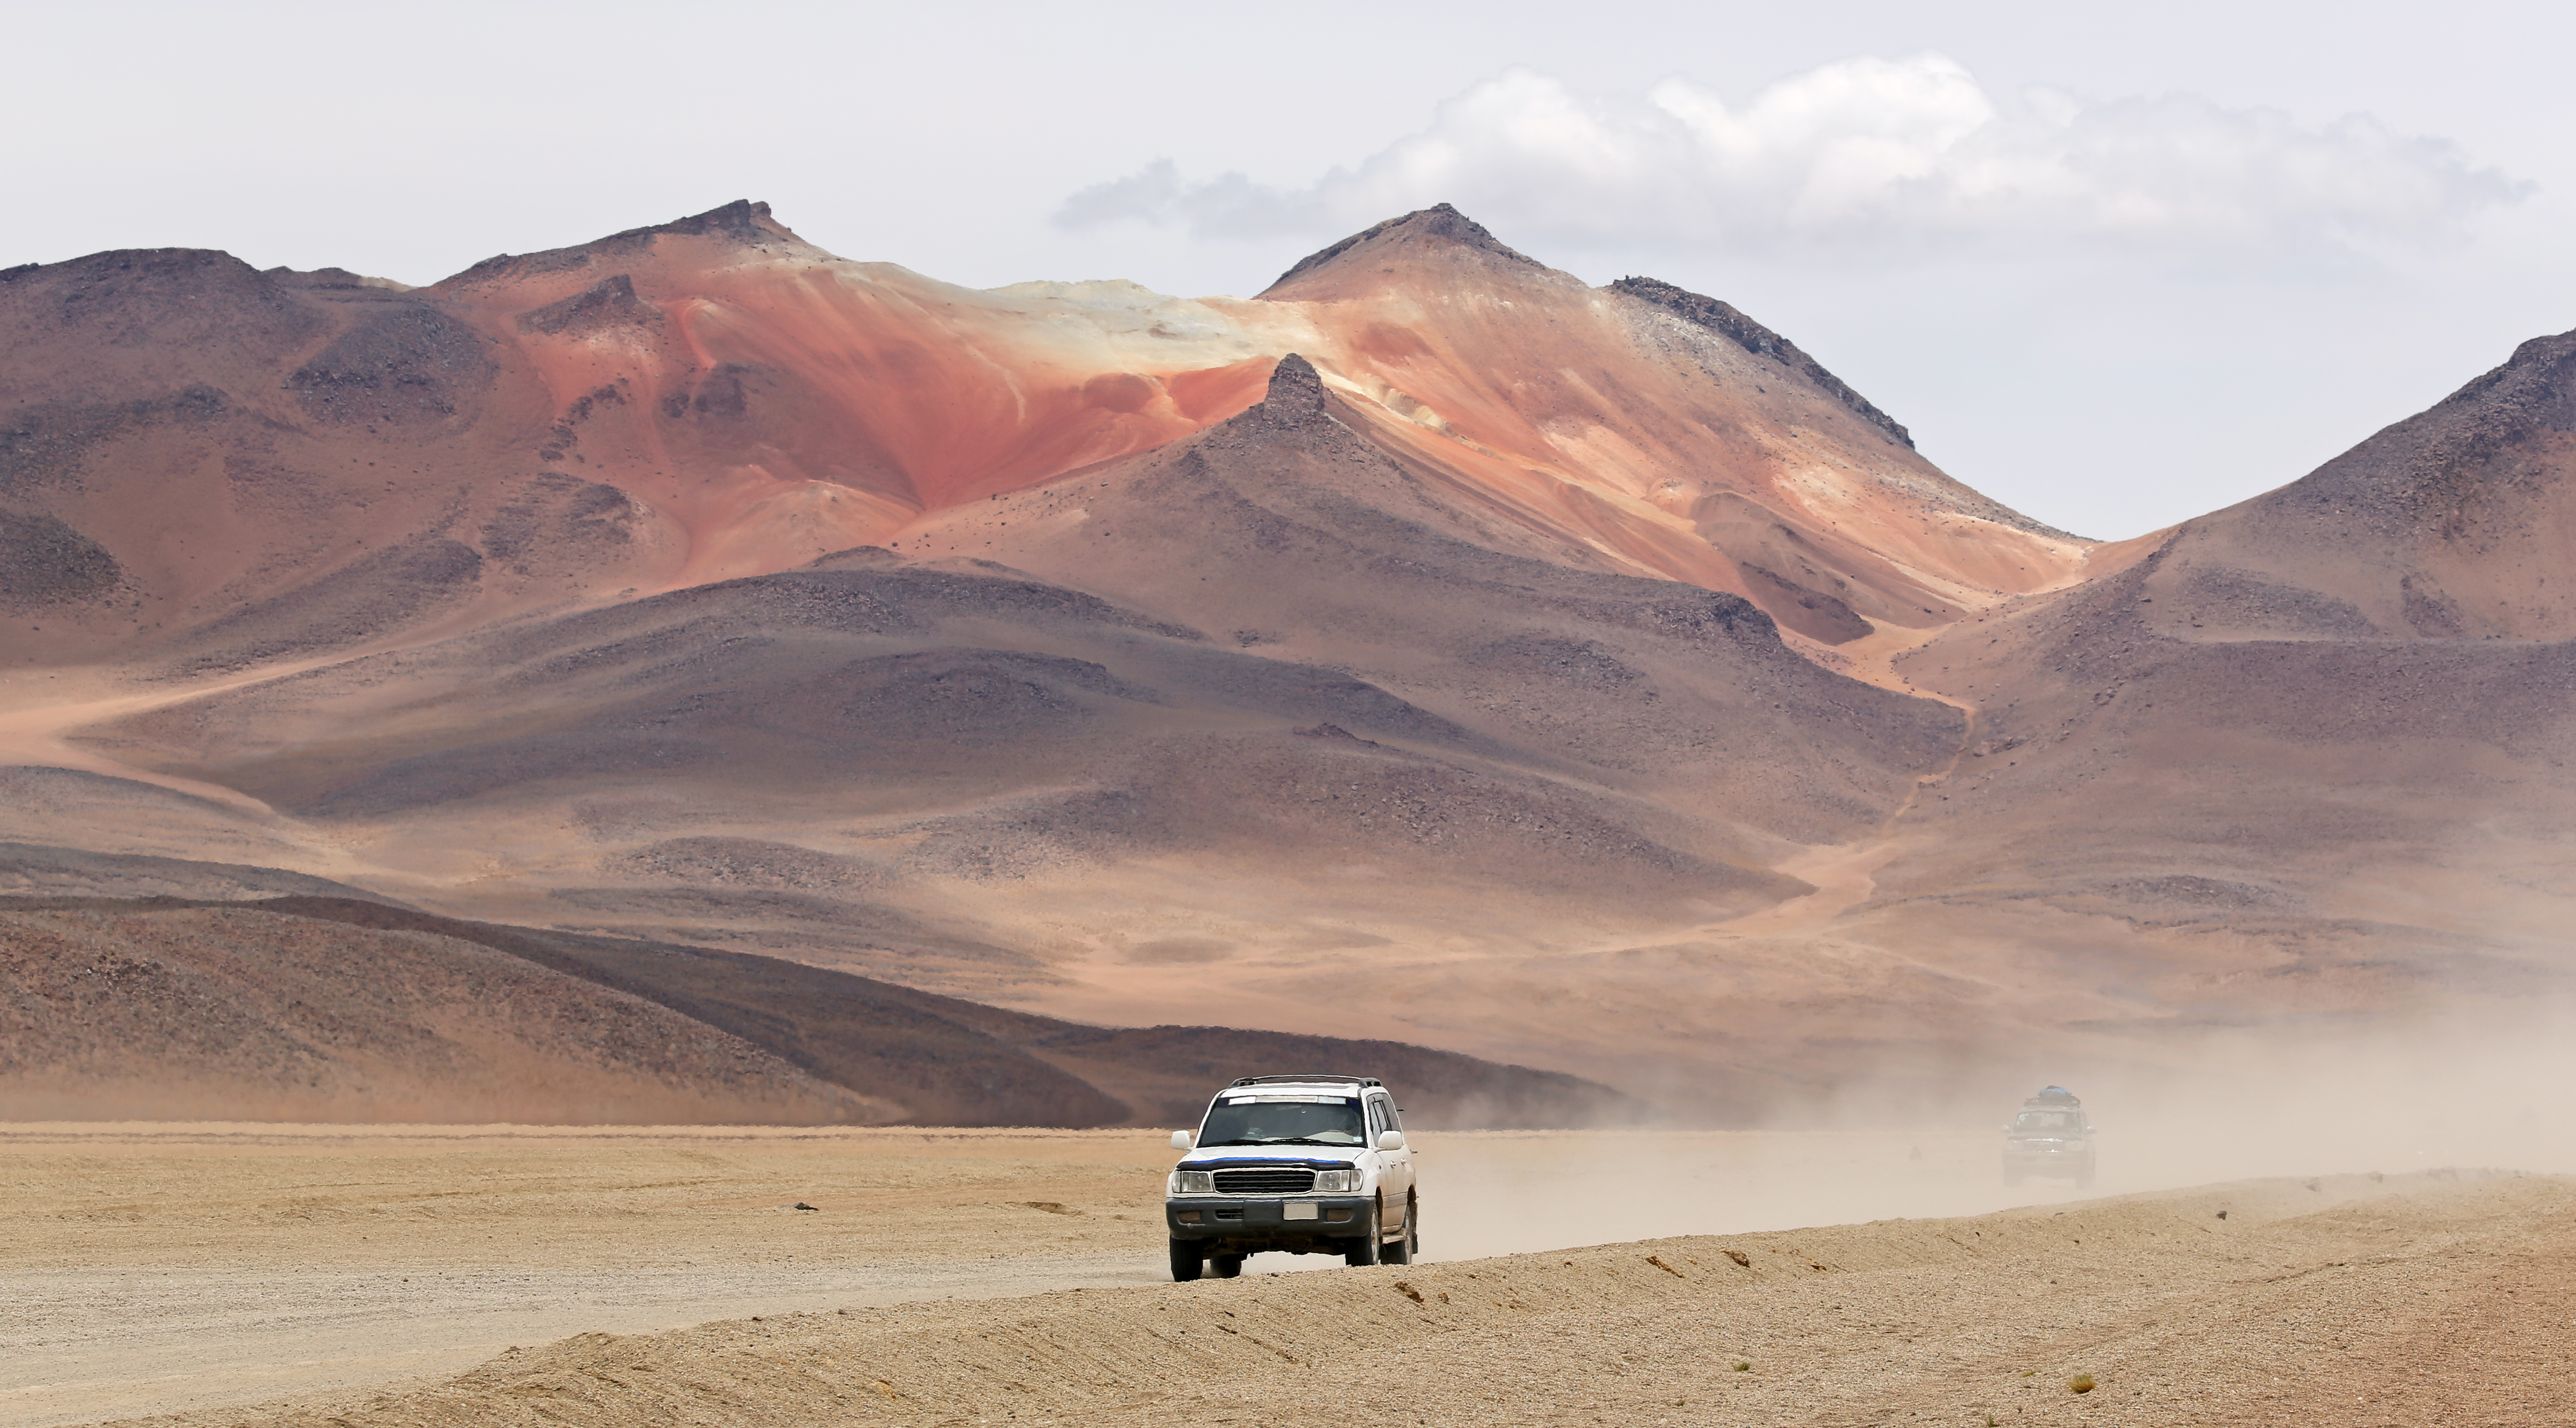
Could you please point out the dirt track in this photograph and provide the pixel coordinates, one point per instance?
(169, 1269)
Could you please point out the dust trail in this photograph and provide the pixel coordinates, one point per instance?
(2439, 1096)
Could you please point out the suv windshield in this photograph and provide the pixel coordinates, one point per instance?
(1307, 1121)
(2047, 1122)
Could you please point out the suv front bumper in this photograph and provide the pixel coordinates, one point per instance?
(1233, 1224)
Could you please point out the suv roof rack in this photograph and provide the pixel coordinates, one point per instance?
(1267, 1080)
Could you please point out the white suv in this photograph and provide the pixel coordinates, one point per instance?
(1296, 1165)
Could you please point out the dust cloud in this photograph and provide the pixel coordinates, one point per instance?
(2463, 1092)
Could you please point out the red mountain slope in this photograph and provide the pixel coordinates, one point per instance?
(234, 467)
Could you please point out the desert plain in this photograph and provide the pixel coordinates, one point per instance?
(207, 1273)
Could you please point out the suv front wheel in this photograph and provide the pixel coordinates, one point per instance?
(1187, 1262)
(1363, 1250)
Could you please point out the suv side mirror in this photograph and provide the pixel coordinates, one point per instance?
(1390, 1140)
(1180, 1140)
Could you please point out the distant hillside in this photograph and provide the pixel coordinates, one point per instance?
(330, 1008)
(1435, 650)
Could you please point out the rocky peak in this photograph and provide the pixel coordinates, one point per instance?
(1440, 225)
(1293, 410)
(743, 223)
(2431, 470)
(742, 220)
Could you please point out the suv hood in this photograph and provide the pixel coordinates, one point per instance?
(1319, 1156)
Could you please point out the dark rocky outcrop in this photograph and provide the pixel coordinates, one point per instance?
(50, 443)
(43, 561)
(1295, 398)
(604, 306)
(160, 296)
(411, 364)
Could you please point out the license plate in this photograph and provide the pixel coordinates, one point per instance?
(1298, 1210)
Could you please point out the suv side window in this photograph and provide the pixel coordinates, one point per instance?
(1376, 1118)
(1394, 1114)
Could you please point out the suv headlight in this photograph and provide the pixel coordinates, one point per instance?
(1344, 1181)
(1193, 1182)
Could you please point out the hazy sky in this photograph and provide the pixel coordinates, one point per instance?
(2114, 265)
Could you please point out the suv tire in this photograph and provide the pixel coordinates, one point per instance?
(1187, 1263)
(1225, 1266)
(1363, 1251)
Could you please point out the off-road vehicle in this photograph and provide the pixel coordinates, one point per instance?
(2051, 1137)
(1293, 1165)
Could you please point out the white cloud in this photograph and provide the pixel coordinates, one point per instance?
(1862, 158)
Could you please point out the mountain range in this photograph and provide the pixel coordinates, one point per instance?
(1432, 650)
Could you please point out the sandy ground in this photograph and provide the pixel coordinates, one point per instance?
(363, 1275)
(156, 1268)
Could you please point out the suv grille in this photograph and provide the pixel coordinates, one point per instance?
(1287, 1180)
